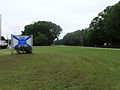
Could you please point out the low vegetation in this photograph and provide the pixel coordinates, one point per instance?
(24, 49)
(61, 68)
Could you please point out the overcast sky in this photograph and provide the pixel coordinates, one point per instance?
(71, 15)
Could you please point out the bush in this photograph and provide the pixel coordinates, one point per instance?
(24, 49)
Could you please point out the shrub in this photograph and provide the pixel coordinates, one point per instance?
(24, 49)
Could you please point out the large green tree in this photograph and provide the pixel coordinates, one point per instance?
(73, 38)
(112, 24)
(44, 32)
(78, 38)
(40, 39)
(105, 28)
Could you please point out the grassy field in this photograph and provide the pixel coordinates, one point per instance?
(61, 68)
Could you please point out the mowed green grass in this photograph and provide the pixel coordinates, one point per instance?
(61, 68)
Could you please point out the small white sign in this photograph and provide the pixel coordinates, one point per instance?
(20, 40)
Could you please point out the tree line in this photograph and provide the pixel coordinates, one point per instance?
(103, 31)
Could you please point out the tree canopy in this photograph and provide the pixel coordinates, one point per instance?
(73, 38)
(103, 30)
(44, 32)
